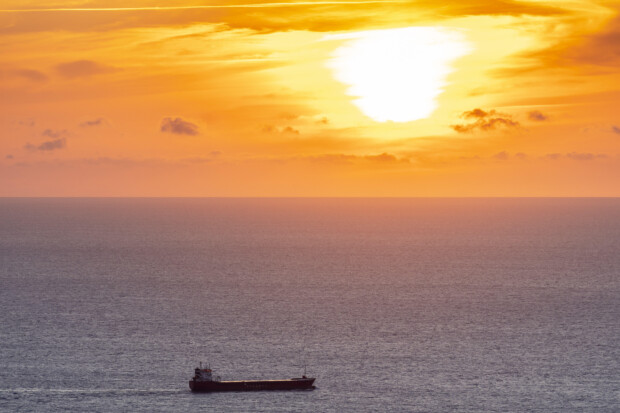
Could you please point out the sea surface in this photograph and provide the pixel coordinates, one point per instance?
(404, 305)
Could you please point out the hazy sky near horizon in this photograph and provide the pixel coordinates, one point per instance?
(309, 98)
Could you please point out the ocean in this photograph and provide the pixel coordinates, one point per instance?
(403, 305)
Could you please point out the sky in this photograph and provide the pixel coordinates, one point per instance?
(223, 98)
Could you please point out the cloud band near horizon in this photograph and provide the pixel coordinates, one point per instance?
(214, 6)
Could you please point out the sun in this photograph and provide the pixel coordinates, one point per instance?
(397, 74)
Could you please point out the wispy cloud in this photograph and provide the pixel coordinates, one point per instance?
(341, 158)
(209, 6)
(602, 48)
(31, 74)
(82, 68)
(319, 16)
(576, 156)
(28, 122)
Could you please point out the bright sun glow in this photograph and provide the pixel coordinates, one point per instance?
(397, 74)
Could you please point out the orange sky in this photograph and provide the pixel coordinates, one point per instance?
(312, 98)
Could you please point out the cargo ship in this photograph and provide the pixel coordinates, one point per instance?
(203, 381)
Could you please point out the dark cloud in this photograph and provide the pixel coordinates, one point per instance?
(54, 134)
(9, 156)
(178, 126)
(477, 114)
(615, 129)
(57, 141)
(536, 115)
(32, 75)
(48, 145)
(501, 156)
(82, 68)
(94, 122)
(485, 121)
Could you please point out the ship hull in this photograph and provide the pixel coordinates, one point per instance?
(251, 385)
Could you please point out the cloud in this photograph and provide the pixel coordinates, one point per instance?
(383, 157)
(317, 16)
(178, 126)
(9, 156)
(615, 129)
(54, 134)
(285, 130)
(291, 130)
(340, 158)
(94, 122)
(47, 145)
(57, 141)
(521, 156)
(601, 49)
(505, 156)
(538, 116)
(571, 47)
(27, 122)
(82, 68)
(576, 156)
(32, 75)
(485, 121)
(477, 114)
(123, 162)
(585, 156)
